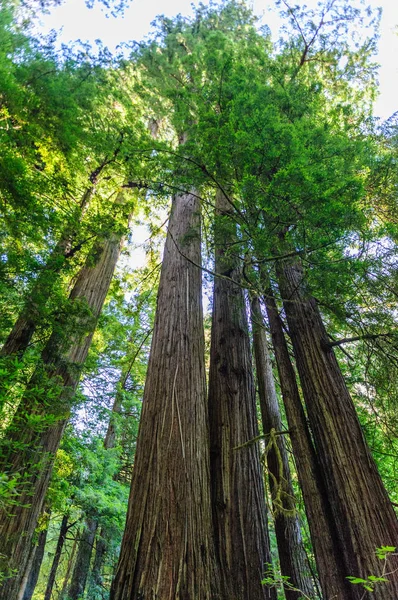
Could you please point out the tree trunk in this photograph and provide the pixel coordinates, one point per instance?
(322, 528)
(101, 546)
(83, 559)
(57, 557)
(21, 334)
(25, 326)
(292, 557)
(68, 571)
(35, 566)
(364, 516)
(36, 430)
(167, 550)
(237, 489)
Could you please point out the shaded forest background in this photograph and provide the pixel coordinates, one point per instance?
(283, 188)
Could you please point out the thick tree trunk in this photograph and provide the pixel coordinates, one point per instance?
(35, 566)
(35, 433)
(292, 557)
(364, 516)
(167, 550)
(57, 557)
(83, 559)
(238, 501)
(323, 532)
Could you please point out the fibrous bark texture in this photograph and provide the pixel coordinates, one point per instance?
(364, 516)
(28, 450)
(238, 502)
(83, 559)
(167, 551)
(292, 557)
(320, 520)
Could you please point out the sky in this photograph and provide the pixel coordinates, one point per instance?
(79, 22)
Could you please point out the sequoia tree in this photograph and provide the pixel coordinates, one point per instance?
(28, 451)
(292, 556)
(364, 517)
(168, 550)
(237, 489)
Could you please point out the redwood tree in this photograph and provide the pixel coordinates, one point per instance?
(322, 527)
(237, 489)
(292, 557)
(364, 517)
(167, 550)
(27, 452)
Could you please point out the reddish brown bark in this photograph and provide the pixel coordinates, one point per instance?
(292, 557)
(167, 551)
(362, 511)
(321, 524)
(239, 511)
(35, 433)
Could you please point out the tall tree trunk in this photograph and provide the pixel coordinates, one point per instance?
(292, 556)
(363, 513)
(238, 500)
(69, 566)
(57, 557)
(83, 559)
(167, 550)
(36, 431)
(35, 566)
(323, 532)
(25, 326)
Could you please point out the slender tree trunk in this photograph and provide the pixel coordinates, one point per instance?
(364, 516)
(292, 556)
(36, 431)
(167, 550)
(238, 501)
(69, 567)
(109, 443)
(321, 524)
(35, 566)
(101, 546)
(25, 326)
(83, 559)
(57, 557)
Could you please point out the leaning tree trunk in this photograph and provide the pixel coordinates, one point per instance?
(25, 326)
(35, 565)
(36, 430)
(167, 550)
(323, 532)
(83, 559)
(292, 556)
(57, 557)
(238, 501)
(363, 513)
(28, 320)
